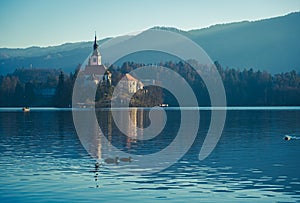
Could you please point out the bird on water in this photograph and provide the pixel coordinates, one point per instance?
(112, 161)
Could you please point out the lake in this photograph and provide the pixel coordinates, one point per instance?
(43, 160)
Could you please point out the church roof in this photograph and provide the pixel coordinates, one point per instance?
(94, 69)
(129, 77)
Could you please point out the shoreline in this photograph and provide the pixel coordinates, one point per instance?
(227, 108)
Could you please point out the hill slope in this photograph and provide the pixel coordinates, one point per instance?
(66, 56)
(271, 44)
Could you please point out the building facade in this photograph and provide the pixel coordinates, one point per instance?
(94, 70)
(131, 84)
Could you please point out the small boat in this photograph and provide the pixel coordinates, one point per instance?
(287, 137)
(164, 105)
(25, 109)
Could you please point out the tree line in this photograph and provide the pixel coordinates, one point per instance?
(247, 87)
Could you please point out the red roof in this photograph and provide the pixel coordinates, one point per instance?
(129, 77)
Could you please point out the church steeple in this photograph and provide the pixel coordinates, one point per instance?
(95, 43)
(95, 59)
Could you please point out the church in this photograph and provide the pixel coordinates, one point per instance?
(95, 71)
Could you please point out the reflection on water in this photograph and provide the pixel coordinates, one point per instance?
(43, 159)
(133, 120)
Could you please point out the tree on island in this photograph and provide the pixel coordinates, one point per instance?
(245, 87)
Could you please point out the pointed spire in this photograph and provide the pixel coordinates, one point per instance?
(95, 42)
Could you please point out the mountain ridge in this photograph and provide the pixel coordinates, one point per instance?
(268, 44)
(259, 44)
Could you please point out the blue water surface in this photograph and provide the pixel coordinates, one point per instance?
(42, 159)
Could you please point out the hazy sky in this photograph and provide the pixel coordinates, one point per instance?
(26, 23)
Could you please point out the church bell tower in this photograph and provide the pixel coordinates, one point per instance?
(95, 59)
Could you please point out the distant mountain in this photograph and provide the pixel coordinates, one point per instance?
(66, 56)
(271, 44)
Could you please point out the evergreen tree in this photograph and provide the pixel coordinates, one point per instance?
(60, 91)
(19, 95)
(29, 94)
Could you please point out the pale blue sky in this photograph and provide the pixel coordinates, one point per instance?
(25, 23)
